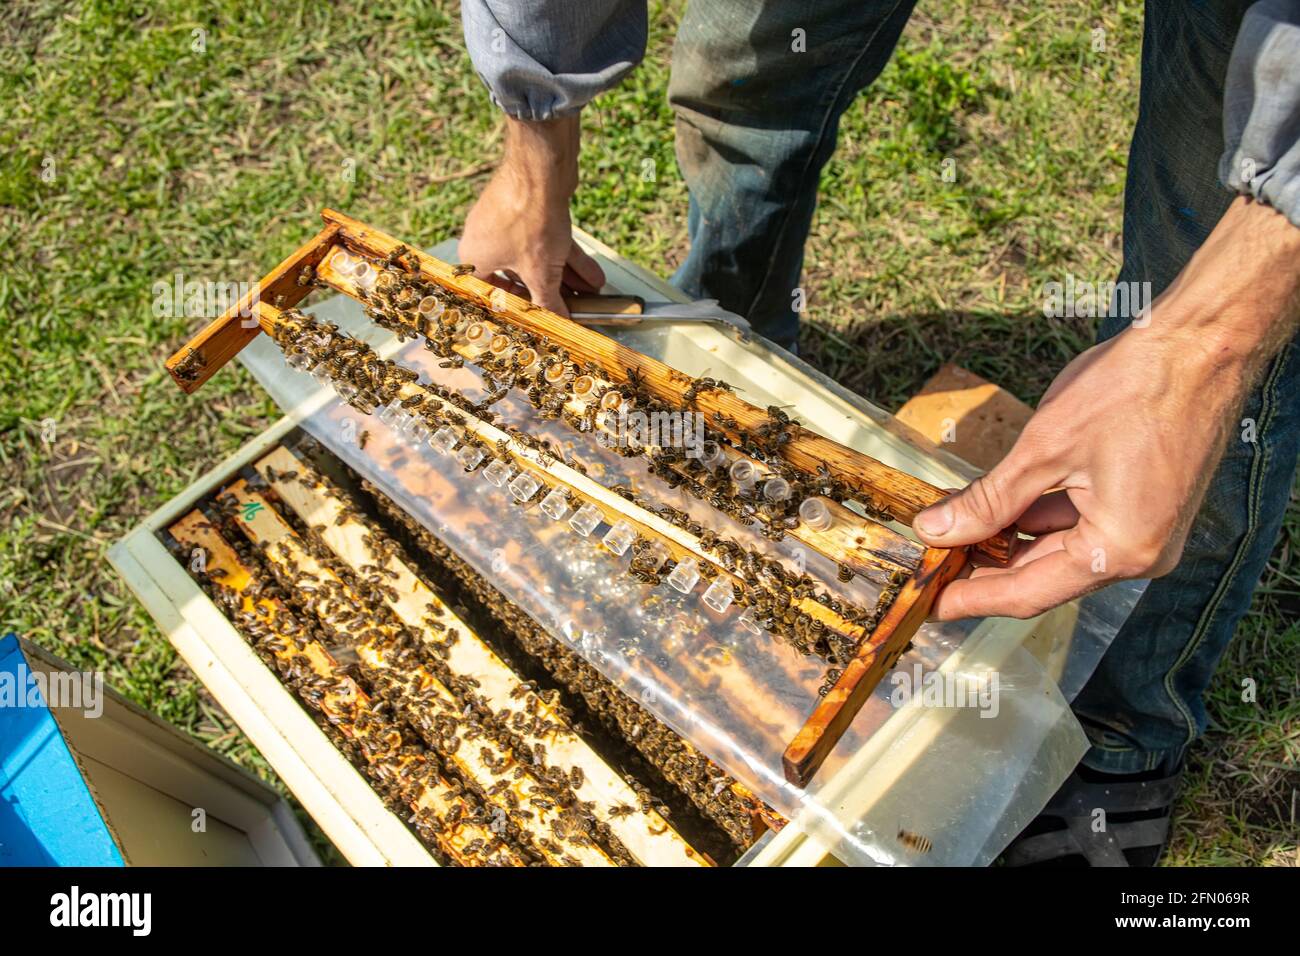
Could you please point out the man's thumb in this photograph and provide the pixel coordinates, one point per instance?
(980, 510)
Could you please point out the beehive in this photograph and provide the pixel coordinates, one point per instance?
(262, 529)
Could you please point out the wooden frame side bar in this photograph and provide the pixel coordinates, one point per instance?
(222, 338)
(835, 712)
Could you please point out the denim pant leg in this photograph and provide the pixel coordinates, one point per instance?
(756, 121)
(1143, 706)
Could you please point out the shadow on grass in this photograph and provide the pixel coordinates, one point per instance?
(887, 359)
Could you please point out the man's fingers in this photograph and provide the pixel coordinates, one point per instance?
(502, 279)
(1025, 551)
(582, 273)
(1021, 592)
(1054, 511)
(985, 506)
(544, 289)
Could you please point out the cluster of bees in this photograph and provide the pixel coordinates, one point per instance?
(707, 787)
(402, 743)
(764, 585)
(389, 721)
(398, 764)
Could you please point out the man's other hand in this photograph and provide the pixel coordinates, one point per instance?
(1110, 472)
(520, 227)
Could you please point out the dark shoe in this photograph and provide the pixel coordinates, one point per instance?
(1137, 810)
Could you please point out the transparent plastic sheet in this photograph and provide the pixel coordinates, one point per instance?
(1100, 617)
(966, 781)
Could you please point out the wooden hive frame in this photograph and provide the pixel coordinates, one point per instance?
(860, 543)
(294, 487)
(342, 708)
(647, 836)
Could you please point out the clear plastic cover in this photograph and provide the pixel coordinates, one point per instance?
(914, 771)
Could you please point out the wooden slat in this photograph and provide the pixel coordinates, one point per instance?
(837, 709)
(598, 304)
(424, 790)
(879, 485)
(646, 835)
(262, 524)
(222, 338)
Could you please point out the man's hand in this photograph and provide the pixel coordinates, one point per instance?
(520, 225)
(1111, 470)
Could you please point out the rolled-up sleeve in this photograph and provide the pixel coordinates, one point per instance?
(1261, 108)
(547, 58)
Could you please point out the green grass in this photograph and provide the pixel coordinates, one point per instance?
(217, 163)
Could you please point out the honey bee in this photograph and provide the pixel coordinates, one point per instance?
(915, 842)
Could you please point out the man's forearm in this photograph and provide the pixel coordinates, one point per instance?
(1111, 470)
(1239, 297)
(543, 156)
(519, 232)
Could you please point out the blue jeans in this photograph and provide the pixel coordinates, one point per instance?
(756, 124)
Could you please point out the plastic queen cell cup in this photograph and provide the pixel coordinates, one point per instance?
(685, 576)
(742, 473)
(529, 360)
(619, 538)
(416, 430)
(585, 519)
(470, 456)
(555, 505)
(476, 337)
(719, 595)
(496, 473)
(365, 274)
(444, 439)
(653, 557)
(524, 486)
(814, 513)
(583, 386)
(776, 489)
